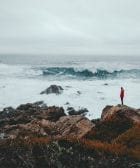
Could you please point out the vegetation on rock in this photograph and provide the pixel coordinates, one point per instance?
(45, 137)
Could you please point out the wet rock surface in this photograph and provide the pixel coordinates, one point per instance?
(72, 111)
(53, 89)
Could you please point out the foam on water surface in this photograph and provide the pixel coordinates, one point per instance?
(94, 94)
(96, 81)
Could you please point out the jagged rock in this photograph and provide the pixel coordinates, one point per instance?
(32, 119)
(123, 111)
(67, 127)
(72, 111)
(115, 120)
(73, 126)
(30, 106)
(53, 89)
(54, 113)
(40, 103)
(8, 110)
(24, 119)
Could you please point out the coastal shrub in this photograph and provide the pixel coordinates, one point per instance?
(43, 152)
(130, 138)
(111, 128)
(113, 148)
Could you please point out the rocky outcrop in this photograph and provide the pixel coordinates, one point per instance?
(34, 135)
(67, 127)
(115, 120)
(123, 111)
(72, 111)
(37, 119)
(28, 112)
(53, 89)
(74, 126)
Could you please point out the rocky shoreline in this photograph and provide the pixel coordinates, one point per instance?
(37, 136)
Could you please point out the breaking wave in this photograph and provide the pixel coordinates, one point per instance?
(86, 73)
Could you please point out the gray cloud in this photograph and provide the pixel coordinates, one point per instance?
(70, 26)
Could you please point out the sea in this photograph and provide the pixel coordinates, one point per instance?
(88, 81)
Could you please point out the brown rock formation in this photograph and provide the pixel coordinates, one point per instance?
(123, 111)
(115, 120)
(32, 120)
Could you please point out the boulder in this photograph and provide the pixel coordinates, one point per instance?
(54, 113)
(122, 111)
(72, 111)
(9, 110)
(53, 89)
(67, 127)
(115, 120)
(73, 126)
(37, 105)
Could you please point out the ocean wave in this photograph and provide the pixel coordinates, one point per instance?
(69, 72)
(86, 73)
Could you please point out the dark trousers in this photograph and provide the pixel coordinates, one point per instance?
(122, 100)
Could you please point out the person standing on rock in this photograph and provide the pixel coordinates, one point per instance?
(122, 94)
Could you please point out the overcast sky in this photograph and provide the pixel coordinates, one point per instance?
(70, 27)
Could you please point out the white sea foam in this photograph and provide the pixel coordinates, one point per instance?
(23, 83)
(94, 94)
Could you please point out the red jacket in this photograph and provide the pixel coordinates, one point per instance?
(122, 93)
